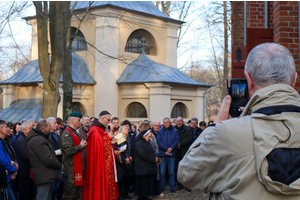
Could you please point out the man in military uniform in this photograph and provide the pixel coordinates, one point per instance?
(73, 157)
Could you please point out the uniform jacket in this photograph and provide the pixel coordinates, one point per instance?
(235, 159)
(185, 139)
(167, 138)
(42, 157)
(68, 150)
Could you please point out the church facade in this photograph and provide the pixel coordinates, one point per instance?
(124, 61)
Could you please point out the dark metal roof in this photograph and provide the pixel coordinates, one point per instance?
(30, 73)
(144, 7)
(145, 70)
(22, 109)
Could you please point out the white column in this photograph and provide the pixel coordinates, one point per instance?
(171, 45)
(198, 104)
(106, 68)
(160, 99)
(9, 95)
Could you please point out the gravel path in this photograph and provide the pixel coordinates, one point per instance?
(180, 195)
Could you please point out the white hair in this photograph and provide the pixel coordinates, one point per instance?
(24, 125)
(270, 63)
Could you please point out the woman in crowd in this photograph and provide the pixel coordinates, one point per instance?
(122, 163)
(145, 161)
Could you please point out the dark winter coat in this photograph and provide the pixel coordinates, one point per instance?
(196, 133)
(185, 139)
(42, 157)
(167, 138)
(121, 160)
(22, 156)
(144, 158)
(54, 138)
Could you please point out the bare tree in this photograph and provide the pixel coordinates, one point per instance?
(50, 71)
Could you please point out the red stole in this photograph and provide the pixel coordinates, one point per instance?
(77, 160)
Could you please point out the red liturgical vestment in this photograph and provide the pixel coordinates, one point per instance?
(99, 177)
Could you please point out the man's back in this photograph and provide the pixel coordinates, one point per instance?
(231, 161)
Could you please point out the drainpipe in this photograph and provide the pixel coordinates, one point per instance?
(204, 102)
(266, 14)
(245, 23)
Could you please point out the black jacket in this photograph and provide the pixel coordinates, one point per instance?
(186, 138)
(144, 158)
(54, 138)
(22, 156)
(42, 157)
(197, 132)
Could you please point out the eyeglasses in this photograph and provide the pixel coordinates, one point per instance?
(107, 119)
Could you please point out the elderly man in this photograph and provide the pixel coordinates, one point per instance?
(43, 161)
(99, 177)
(73, 157)
(194, 127)
(85, 126)
(185, 140)
(156, 127)
(25, 183)
(9, 165)
(167, 140)
(255, 156)
(54, 138)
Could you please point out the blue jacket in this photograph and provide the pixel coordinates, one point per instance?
(5, 160)
(167, 138)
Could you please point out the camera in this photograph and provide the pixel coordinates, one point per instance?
(239, 95)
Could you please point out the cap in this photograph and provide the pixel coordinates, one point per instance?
(104, 112)
(75, 114)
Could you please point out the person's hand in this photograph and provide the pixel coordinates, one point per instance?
(179, 147)
(131, 158)
(111, 134)
(169, 150)
(83, 143)
(113, 141)
(127, 161)
(156, 160)
(167, 153)
(223, 113)
(117, 153)
(15, 164)
(14, 175)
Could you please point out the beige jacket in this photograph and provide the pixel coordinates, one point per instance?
(229, 160)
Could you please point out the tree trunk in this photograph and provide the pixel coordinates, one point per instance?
(50, 71)
(225, 69)
(67, 65)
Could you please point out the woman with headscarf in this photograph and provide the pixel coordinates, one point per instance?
(145, 167)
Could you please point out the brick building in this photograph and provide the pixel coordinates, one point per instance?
(257, 22)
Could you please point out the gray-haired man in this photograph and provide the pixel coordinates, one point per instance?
(254, 156)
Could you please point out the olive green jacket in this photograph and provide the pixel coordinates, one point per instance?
(229, 162)
(68, 150)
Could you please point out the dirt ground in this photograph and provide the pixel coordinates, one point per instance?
(180, 195)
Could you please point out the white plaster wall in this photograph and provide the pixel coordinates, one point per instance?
(106, 69)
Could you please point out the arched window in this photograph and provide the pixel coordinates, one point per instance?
(139, 41)
(179, 110)
(78, 107)
(78, 43)
(136, 110)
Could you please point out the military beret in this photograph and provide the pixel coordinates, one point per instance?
(104, 112)
(75, 114)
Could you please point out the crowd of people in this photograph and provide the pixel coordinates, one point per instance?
(92, 158)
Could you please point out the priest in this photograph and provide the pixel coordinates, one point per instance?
(100, 181)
